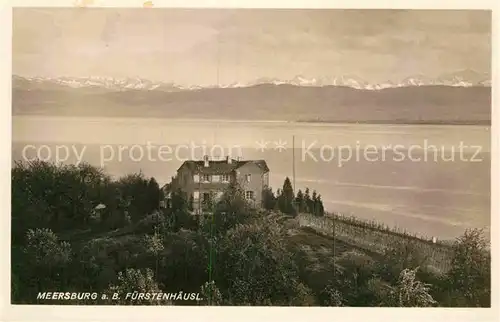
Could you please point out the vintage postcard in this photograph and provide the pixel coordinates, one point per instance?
(251, 157)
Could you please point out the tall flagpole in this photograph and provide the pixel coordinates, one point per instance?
(293, 163)
(212, 221)
(217, 81)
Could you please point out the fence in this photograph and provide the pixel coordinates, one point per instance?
(376, 238)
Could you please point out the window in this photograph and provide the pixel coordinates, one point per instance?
(249, 195)
(248, 177)
(206, 202)
(196, 178)
(266, 179)
(196, 195)
(206, 197)
(225, 178)
(206, 178)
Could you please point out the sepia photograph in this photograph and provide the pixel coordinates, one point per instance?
(251, 157)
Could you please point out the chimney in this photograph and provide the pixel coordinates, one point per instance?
(205, 159)
(229, 160)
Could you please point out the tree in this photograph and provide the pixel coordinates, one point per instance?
(352, 280)
(178, 214)
(404, 254)
(300, 202)
(470, 274)
(287, 198)
(185, 265)
(314, 203)
(58, 197)
(231, 210)
(154, 194)
(41, 265)
(95, 265)
(277, 204)
(379, 292)
(135, 281)
(191, 203)
(154, 245)
(260, 271)
(332, 296)
(117, 214)
(268, 198)
(308, 202)
(211, 294)
(136, 188)
(44, 248)
(410, 292)
(179, 202)
(320, 209)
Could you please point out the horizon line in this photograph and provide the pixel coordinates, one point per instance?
(434, 81)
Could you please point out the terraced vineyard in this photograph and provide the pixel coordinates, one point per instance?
(374, 238)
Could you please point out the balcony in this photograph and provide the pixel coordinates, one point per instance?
(223, 178)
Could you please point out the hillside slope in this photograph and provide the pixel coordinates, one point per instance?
(413, 104)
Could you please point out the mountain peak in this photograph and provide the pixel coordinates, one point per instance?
(462, 78)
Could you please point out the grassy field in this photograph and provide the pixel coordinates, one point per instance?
(316, 247)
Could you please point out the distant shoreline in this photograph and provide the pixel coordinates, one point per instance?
(300, 121)
(401, 122)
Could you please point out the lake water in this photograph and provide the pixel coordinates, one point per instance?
(427, 179)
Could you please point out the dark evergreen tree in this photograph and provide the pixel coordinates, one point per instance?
(314, 203)
(154, 194)
(135, 187)
(178, 214)
(287, 198)
(268, 198)
(320, 208)
(277, 204)
(230, 210)
(191, 203)
(299, 202)
(179, 201)
(307, 202)
(58, 197)
(469, 279)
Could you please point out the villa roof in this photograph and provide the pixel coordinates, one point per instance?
(221, 166)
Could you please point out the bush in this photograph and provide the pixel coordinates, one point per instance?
(404, 254)
(410, 292)
(184, 262)
(260, 271)
(351, 280)
(138, 281)
(58, 197)
(39, 266)
(331, 296)
(469, 278)
(211, 294)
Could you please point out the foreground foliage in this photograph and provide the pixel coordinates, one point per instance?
(63, 240)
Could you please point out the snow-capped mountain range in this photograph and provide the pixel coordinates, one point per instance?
(465, 78)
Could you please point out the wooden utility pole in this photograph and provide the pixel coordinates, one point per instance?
(334, 259)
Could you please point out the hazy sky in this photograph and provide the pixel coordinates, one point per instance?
(184, 45)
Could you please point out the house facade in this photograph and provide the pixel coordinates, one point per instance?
(205, 181)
